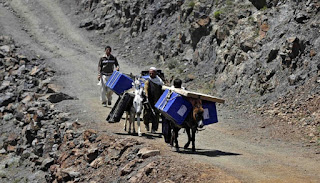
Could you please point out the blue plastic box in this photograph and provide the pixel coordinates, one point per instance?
(175, 108)
(119, 82)
(209, 113)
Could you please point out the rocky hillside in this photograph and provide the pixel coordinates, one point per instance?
(39, 143)
(258, 54)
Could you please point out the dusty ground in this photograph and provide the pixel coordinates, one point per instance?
(240, 145)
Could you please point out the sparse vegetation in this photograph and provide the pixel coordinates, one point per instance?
(192, 4)
(229, 2)
(172, 64)
(264, 8)
(217, 14)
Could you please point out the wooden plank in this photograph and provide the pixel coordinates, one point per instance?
(192, 94)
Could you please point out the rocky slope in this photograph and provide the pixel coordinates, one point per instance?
(261, 55)
(39, 143)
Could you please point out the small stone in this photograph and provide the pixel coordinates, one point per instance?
(27, 99)
(46, 163)
(97, 162)
(11, 148)
(312, 53)
(3, 151)
(146, 153)
(5, 48)
(34, 71)
(8, 116)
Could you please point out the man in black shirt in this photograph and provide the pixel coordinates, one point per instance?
(153, 91)
(106, 65)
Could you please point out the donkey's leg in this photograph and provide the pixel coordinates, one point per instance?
(189, 138)
(130, 122)
(125, 122)
(133, 119)
(138, 123)
(193, 138)
(176, 131)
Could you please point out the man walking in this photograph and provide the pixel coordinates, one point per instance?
(106, 65)
(153, 91)
(166, 123)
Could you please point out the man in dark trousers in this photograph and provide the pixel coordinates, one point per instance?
(106, 65)
(153, 91)
(166, 124)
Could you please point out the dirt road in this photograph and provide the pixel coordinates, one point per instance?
(236, 144)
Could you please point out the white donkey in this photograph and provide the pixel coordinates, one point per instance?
(136, 108)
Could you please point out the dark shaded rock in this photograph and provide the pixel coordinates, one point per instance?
(259, 3)
(293, 79)
(199, 29)
(58, 97)
(28, 134)
(91, 155)
(6, 98)
(272, 55)
(85, 23)
(246, 46)
(301, 18)
(46, 163)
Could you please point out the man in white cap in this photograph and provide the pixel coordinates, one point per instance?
(153, 91)
(106, 65)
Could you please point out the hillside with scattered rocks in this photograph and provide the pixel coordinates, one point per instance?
(40, 143)
(260, 55)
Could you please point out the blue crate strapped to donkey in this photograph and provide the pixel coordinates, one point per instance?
(173, 106)
(119, 82)
(176, 108)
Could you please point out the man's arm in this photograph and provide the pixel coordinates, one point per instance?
(116, 64)
(146, 86)
(99, 69)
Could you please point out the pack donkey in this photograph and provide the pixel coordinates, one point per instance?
(136, 108)
(193, 121)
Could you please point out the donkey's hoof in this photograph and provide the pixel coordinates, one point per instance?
(139, 134)
(186, 146)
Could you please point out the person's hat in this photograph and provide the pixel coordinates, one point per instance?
(153, 68)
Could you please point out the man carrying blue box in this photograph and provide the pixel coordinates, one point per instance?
(106, 66)
(153, 91)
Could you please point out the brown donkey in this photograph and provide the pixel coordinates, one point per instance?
(193, 121)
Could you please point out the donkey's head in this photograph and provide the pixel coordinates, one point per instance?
(197, 112)
(138, 98)
(137, 82)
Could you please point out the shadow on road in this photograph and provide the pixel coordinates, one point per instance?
(209, 153)
(144, 135)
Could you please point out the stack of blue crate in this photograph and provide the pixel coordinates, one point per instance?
(176, 108)
(119, 82)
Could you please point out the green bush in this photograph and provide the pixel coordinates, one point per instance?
(217, 14)
(192, 4)
(264, 8)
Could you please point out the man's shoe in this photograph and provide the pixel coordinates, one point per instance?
(109, 102)
(104, 104)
